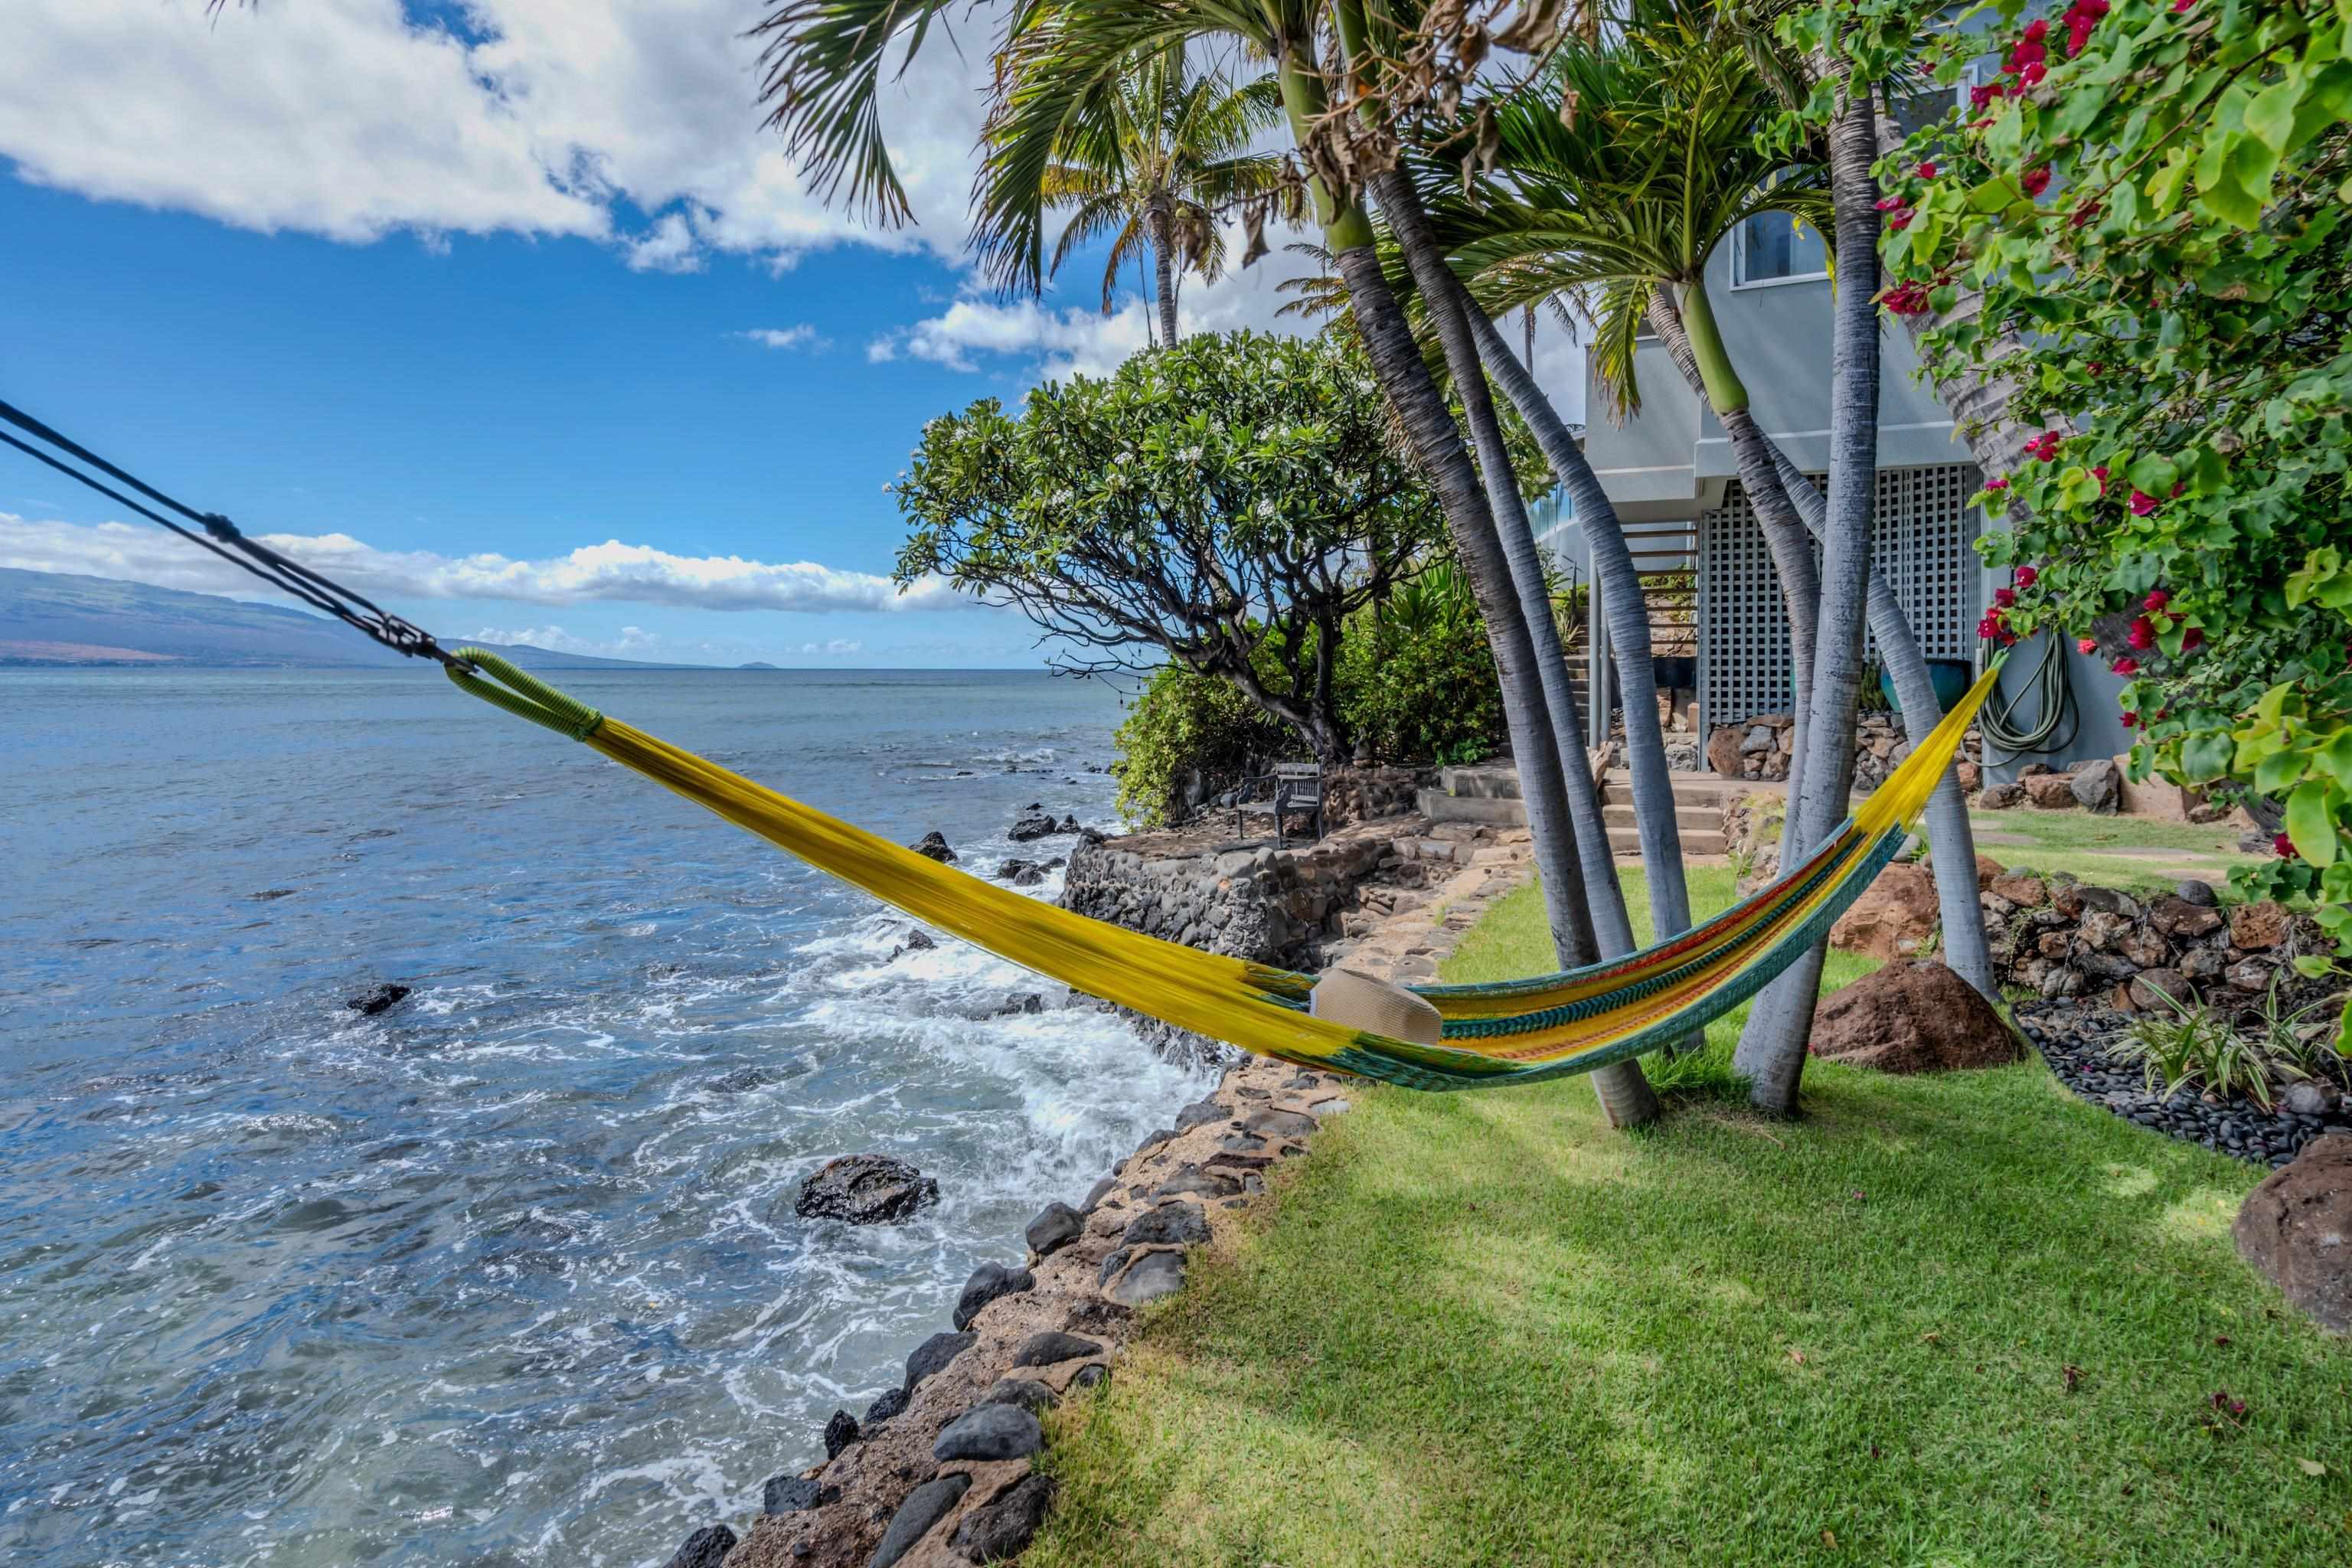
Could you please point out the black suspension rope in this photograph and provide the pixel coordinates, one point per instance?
(224, 538)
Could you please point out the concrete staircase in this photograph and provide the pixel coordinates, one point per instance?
(1488, 794)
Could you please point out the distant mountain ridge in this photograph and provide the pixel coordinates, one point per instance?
(62, 619)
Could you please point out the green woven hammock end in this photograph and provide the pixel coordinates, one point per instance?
(524, 696)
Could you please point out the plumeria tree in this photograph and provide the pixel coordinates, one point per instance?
(2135, 232)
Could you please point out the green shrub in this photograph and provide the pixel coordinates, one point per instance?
(1417, 681)
(1182, 724)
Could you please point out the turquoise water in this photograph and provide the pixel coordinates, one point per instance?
(508, 1274)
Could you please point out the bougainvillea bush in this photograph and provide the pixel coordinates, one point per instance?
(2149, 200)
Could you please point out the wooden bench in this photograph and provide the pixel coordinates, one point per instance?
(1292, 786)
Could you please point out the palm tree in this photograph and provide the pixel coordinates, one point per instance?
(1059, 69)
(1060, 66)
(1965, 950)
(1625, 202)
(1171, 152)
(1771, 1050)
(1654, 806)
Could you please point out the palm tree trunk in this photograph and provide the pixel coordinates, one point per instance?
(1625, 1094)
(1688, 328)
(1952, 846)
(1773, 1048)
(1966, 949)
(1629, 630)
(1612, 927)
(1163, 235)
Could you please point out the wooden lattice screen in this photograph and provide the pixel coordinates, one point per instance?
(1923, 539)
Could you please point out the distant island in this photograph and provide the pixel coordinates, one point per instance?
(61, 620)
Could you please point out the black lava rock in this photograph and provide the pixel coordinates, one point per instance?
(795, 1494)
(840, 1432)
(1025, 1392)
(925, 1507)
(1169, 1225)
(1099, 1192)
(988, 1282)
(706, 1548)
(2072, 1040)
(1004, 1527)
(1191, 1181)
(932, 1355)
(934, 844)
(1027, 1002)
(987, 1432)
(378, 999)
(865, 1189)
(1090, 1376)
(891, 1402)
(1055, 1227)
(1050, 1349)
(1030, 827)
(1154, 1275)
(1199, 1113)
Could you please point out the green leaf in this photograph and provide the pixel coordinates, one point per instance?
(2278, 770)
(2207, 755)
(2311, 966)
(2310, 825)
(2271, 116)
(2164, 186)
(2336, 758)
(2153, 473)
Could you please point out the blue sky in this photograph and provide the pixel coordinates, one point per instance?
(509, 278)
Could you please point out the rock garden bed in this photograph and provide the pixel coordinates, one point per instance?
(2077, 1041)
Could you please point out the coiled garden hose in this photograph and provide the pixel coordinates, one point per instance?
(2051, 691)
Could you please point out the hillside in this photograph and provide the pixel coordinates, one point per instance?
(57, 619)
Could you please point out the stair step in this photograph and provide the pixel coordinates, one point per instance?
(1688, 820)
(1485, 782)
(1491, 810)
(1625, 842)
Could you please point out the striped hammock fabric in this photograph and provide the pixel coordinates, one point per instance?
(1517, 1031)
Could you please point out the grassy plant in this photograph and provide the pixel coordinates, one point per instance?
(2302, 1039)
(2189, 1043)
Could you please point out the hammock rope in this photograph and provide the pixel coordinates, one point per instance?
(1517, 1031)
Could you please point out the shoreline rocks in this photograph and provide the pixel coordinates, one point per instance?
(865, 1189)
(884, 1493)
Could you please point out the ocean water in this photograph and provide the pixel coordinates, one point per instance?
(510, 1274)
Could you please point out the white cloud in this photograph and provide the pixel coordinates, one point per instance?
(801, 335)
(668, 247)
(976, 330)
(834, 646)
(610, 572)
(1063, 341)
(634, 642)
(347, 119)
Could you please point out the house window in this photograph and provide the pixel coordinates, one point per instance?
(1773, 247)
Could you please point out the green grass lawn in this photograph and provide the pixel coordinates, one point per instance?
(2135, 853)
(1960, 1320)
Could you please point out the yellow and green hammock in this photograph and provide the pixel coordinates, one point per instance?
(1514, 1031)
